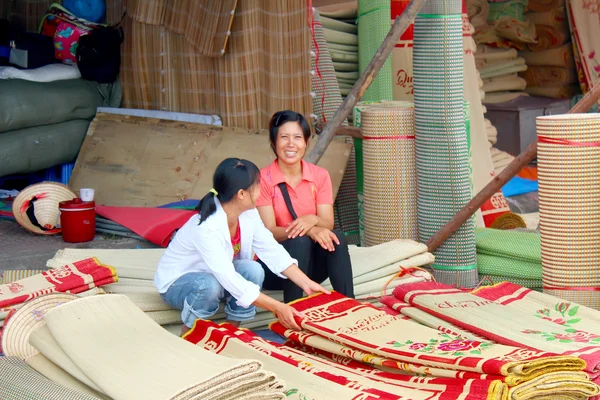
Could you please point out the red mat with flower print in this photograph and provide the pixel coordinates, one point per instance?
(75, 277)
(229, 340)
(501, 323)
(366, 328)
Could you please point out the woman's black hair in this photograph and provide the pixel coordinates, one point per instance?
(231, 176)
(282, 117)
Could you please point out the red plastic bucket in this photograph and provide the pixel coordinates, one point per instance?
(77, 220)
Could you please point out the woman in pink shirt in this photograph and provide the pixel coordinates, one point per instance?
(296, 205)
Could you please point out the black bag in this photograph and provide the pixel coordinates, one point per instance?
(99, 54)
(288, 200)
(32, 50)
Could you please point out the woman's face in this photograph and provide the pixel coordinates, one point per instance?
(290, 145)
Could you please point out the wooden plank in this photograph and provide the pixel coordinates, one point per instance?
(146, 162)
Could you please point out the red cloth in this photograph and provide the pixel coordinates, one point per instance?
(157, 225)
(236, 241)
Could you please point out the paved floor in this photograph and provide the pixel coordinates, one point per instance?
(20, 249)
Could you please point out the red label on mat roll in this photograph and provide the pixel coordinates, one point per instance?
(493, 208)
(398, 7)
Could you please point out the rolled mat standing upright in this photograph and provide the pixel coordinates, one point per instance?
(390, 182)
(442, 149)
(569, 185)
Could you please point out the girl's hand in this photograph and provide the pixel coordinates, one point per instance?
(324, 237)
(301, 225)
(285, 314)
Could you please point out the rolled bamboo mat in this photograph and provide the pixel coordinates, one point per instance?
(442, 149)
(390, 178)
(569, 186)
(358, 148)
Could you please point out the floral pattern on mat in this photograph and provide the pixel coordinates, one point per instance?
(448, 346)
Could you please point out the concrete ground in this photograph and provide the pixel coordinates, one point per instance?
(20, 249)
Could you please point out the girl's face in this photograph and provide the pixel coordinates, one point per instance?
(249, 197)
(290, 145)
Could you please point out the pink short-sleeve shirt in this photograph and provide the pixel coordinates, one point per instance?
(315, 188)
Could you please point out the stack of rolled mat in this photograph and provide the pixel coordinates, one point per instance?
(545, 78)
(498, 69)
(341, 34)
(506, 24)
(559, 330)
(344, 330)
(501, 159)
(508, 255)
(82, 276)
(105, 347)
(374, 268)
(552, 72)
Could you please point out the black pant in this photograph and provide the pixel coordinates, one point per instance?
(316, 262)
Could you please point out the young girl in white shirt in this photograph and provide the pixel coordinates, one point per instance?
(211, 259)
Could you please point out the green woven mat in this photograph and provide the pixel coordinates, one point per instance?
(504, 266)
(346, 202)
(535, 284)
(523, 246)
(373, 27)
(510, 9)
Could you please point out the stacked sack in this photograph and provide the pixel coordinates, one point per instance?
(43, 124)
(341, 34)
(373, 268)
(551, 68)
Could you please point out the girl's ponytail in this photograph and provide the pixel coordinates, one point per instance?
(207, 206)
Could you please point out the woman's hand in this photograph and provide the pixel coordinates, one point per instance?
(285, 314)
(324, 237)
(301, 225)
(312, 287)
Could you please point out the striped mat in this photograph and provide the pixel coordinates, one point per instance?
(442, 148)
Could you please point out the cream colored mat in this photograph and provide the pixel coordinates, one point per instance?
(501, 97)
(373, 267)
(503, 83)
(100, 332)
(43, 341)
(58, 375)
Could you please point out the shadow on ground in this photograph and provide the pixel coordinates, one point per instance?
(20, 249)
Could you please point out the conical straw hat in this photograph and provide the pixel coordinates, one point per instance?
(48, 195)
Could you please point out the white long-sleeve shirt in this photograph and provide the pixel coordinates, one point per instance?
(207, 248)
